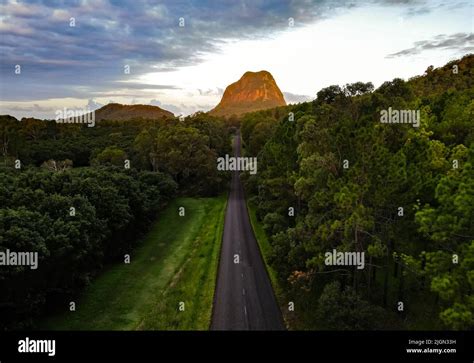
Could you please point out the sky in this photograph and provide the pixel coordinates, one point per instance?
(181, 55)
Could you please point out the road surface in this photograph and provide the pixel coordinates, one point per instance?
(244, 298)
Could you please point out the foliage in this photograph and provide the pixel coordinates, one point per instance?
(79, 219)
(402, 195)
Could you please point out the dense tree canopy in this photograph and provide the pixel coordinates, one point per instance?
(403, 195)
(82, 197)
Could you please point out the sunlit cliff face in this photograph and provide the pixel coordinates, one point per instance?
(254, 91)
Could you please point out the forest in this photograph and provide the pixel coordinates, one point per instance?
(332, 176)
(82, 197)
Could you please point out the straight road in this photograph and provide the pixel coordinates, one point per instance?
(244, 298)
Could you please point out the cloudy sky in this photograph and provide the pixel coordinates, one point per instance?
(76, 54)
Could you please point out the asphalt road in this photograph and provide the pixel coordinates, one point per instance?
(244, 298)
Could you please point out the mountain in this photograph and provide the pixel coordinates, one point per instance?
(116, 111)
(254, 91)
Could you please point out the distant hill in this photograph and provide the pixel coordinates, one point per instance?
(254, 91)
(116, 111)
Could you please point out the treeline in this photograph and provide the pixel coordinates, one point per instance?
(189, 157)
(82, 197)
(332, 176)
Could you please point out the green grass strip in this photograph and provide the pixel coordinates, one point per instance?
(176, 262)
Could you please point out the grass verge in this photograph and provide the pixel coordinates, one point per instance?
(176, 262)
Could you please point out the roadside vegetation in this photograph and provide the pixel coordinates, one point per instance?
(331, 176)
(83, 198)
(176, 262)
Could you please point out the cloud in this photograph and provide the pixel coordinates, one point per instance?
(28, 107)
(23, 109)
(168, 107)
(181, 109)
(93, 105)
(211, 92)
(137, 85)
(142, 34)
(463, 42)
(425, 7)
(20, 10)
(87, 61)
(295, 98)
